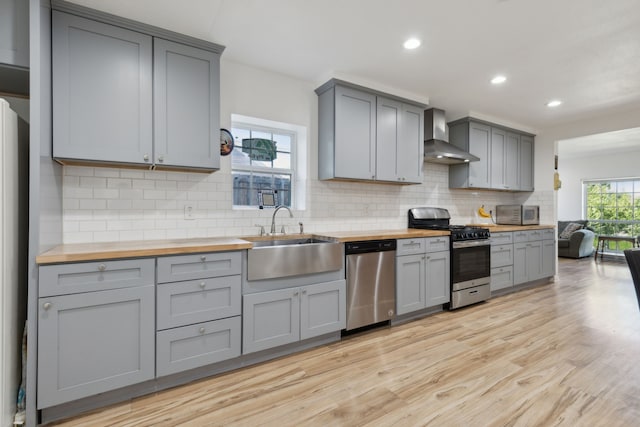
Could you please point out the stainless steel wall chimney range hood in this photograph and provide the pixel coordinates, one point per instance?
(436, 147)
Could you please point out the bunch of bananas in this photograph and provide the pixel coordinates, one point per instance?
(483, 213)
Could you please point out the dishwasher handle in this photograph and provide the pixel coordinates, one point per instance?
(368, 246)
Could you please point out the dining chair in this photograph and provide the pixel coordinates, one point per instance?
(633, 259)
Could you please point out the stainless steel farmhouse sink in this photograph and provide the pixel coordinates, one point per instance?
(270, 259)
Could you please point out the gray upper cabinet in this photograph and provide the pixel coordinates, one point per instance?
(102, 83)
(125, 97)
(506, 157)
(186, 105)
(368, 136)
(14, 33)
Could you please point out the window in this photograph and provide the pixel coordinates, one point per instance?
(263, 159)
(613, 207)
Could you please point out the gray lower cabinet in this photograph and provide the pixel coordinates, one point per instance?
(422, 273)
(198, 310)
(506, 156)
(122, 97)
(369, 136)
(274, 318)
(501, 261)
(93, 342)
(533, 255)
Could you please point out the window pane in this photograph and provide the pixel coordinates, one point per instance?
(283, 161)
(283, 142)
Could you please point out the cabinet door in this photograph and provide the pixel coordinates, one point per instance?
(526, 163)
(534, 260)
(512, 161)
(270, 319)
(410, 155)
(94, 342)
(14, 33)
(548, 258)
(438, 273)
(497, 164)
(388, 122)
(323, 308)
(520, 271)
(102, 101)
(480, 146)
(186, 106)
(355, 133)
(410, 283)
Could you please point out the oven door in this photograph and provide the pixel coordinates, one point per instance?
(470, 264)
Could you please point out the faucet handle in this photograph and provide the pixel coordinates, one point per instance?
(282, 230)
(301, 227)
(262, 233)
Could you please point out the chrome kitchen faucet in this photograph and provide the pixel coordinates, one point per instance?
(273, 218)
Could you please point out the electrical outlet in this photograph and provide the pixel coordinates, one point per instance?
(188, 212)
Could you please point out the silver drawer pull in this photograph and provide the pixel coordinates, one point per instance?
(145, 157)
(102, 267)
(202, 285)
(202, 330)
(46, 305)
(203, 258)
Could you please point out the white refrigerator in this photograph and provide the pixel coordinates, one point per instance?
(10, 327)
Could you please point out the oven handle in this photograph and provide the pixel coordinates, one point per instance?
(471, 244)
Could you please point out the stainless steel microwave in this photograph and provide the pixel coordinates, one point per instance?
(518, 214)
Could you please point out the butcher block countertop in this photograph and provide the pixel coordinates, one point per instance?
(76, 252)
(140, 248)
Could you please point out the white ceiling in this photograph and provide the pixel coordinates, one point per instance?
(618, 142)
(584, 52)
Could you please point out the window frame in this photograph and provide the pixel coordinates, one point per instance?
(251, 169)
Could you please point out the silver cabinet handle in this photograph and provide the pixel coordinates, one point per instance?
(203, 258)
(46, 305)
(146, 157)
(102, 267)
(160, 159)
(304, 292)
(202, 284)
(295, 294)
(201, 330)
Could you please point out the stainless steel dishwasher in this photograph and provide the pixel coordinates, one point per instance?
(371, 282)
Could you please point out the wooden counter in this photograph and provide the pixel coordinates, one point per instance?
(139, 248)
(144, 248)
(493, 228)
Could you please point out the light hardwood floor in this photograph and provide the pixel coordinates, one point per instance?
(562, 354)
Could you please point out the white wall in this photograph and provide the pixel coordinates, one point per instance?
(546, 147)
(109, 204)
(576, 169)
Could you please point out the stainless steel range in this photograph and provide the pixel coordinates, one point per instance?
(470, 255)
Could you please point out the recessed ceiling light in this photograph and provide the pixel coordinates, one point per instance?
(554, 103)
(498, 79)
(411, 43)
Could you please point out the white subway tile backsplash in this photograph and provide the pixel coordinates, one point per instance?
(111, 204)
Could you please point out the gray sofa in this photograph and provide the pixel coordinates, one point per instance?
(580, 242)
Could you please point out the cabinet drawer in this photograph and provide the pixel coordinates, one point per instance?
(501, 238)
(549, 234)
(437, 244)
(501, 277)
(195, 301)
(63, 279)
(197, 345)
(501, 255)
(520, 236)
(535, 235)
(410, 246)
(200, 266)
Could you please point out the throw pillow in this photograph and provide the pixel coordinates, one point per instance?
(569, 229)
